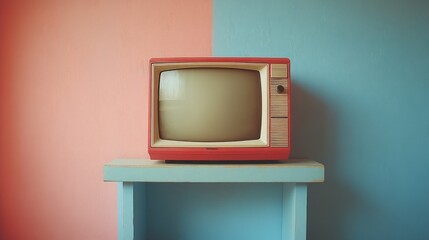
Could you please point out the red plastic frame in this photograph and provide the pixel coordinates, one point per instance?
(219, 153)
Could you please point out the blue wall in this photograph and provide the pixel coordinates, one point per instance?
(360, 72)
(207, 211)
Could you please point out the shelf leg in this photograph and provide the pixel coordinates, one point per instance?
(294, 211)
(131, 219)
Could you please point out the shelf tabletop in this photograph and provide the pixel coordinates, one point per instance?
(145, 170)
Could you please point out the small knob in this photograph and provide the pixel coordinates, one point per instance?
(280, 89)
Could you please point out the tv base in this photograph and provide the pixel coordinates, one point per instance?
(223, 162)
(220, 154)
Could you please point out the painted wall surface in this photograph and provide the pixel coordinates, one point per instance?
(73, 95)
(228, 211)
(360, 104)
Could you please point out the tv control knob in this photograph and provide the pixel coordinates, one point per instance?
(280, 89)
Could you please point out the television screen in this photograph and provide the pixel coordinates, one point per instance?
(209, 105)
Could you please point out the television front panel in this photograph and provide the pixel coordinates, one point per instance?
(219, 109)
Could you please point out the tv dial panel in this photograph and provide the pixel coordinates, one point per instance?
(279, 105)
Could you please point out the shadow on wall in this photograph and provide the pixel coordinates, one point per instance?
(315, 136)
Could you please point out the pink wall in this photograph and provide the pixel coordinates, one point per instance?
(72, 97)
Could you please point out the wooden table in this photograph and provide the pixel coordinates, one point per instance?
(134, 175)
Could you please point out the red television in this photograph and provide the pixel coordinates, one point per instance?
(219, 108)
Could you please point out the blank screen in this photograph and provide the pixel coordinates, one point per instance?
(210, 105)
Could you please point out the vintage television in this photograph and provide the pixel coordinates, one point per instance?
(219, 109)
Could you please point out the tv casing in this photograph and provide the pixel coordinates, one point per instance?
(279, 117)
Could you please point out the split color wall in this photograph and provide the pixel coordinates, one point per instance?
(73, 96)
